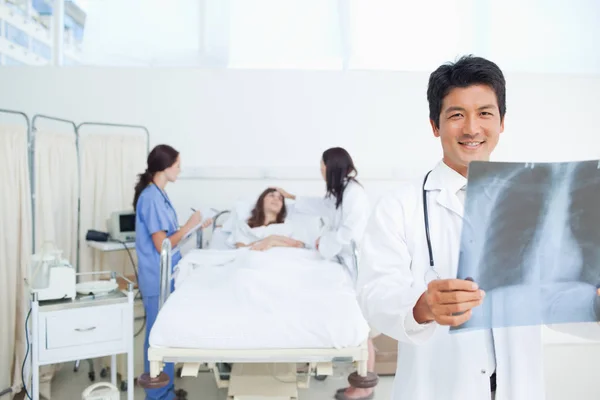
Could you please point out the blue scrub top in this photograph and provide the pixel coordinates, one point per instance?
(154, 213)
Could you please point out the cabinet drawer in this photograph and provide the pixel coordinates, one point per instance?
(84, 326)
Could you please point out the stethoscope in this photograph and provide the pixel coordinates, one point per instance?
(173, 218)
(431, 273)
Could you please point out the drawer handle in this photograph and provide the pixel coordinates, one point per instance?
(86, 329)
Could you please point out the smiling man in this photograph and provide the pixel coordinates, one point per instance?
(467, 104)
(407, 283)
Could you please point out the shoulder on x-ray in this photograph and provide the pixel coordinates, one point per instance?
(530, 239)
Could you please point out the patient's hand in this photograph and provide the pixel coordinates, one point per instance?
(264, 244)
(275, 241)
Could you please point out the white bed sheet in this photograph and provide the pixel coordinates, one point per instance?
(248, 300)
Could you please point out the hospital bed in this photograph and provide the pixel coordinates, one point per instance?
(265, 369)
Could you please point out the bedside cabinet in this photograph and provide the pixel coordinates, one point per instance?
(83, 328)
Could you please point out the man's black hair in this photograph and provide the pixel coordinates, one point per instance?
(465, 72)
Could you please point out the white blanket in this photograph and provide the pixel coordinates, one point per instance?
(242, 299)
(242, 233)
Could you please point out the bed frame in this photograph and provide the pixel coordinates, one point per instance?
(268, 372)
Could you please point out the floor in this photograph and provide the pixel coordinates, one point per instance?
(69, 385)
(571, 372)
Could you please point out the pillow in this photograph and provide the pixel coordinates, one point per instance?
(306, 228)
(241, 211)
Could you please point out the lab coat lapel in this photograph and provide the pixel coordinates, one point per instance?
(450, 201)
(448, 182)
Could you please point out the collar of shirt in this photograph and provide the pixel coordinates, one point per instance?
(444, 177)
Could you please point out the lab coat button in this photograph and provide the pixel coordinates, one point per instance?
(483, 371)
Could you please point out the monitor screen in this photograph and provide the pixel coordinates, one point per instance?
(127, 223)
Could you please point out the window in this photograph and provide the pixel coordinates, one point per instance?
(140, 32)
(537, 36)
(16, 35)
(396, 35)
(284, 34)
(41, 49)
(11, 61)
(549, 36)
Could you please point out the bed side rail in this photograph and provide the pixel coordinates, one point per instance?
(216, 218)
(165, 272)
(200, 238)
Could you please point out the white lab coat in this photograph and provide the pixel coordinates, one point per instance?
(342, 225)
(433, 363)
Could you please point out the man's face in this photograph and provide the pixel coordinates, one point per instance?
(470, 126)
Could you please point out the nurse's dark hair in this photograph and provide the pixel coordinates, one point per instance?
(465, 72)
(160, 158)
(257, 216)
(339, 171)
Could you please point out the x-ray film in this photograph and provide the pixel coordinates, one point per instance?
(531, 240)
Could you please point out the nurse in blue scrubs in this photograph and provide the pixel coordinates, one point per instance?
(156, 220)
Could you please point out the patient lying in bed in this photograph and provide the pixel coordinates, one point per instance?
(266, 227)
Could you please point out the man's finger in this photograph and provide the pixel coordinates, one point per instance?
(447, 285)
(456, 297)
(450, 309)
(454, 320)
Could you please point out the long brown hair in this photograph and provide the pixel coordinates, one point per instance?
(340, 170)
(257, 217)
(160, 158)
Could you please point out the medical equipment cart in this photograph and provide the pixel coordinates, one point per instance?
(83, 328)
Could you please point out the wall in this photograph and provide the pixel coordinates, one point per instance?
(222, 121)
(231, 127)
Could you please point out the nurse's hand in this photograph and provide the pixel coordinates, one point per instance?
(207, 223)
(194, 220)
(448, 302)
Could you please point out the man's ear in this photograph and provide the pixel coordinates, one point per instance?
(436, 131)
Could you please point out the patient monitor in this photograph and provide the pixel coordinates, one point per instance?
(121, 226)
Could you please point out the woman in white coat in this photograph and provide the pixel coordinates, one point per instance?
(345, 209)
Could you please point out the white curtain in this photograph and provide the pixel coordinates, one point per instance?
(15, 251)
(110, 164)
(56, 179)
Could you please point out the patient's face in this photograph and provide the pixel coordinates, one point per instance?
(323, 169)
(273, 202)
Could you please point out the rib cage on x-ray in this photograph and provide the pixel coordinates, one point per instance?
(585, 218)
(531, 225)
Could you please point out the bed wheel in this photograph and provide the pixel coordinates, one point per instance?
(363, 382)
(153, 383)
(321, 377)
